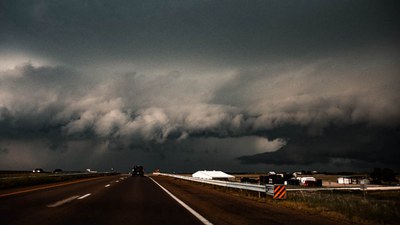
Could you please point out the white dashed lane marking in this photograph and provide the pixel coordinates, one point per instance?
(62, 202)
(84, 196)
(70, 199)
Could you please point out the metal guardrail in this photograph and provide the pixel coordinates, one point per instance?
(243, 186)
(269, 189)
(379, 188)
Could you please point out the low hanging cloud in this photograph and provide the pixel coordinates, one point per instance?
(3, 150)
(275, 114)
(360, 145)
(182, 85)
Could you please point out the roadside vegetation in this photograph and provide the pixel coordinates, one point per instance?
(357, 207)
(374, 207)
(10, 180)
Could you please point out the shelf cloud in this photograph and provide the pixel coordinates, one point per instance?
(194, 85)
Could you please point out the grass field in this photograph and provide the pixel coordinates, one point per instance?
(371, 207)
(377, 207)
(19, 179)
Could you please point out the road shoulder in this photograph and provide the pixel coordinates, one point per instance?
(224, 208)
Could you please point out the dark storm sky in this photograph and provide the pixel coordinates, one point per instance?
(188, 85)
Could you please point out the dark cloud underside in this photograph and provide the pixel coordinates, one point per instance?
(231, 31)
(186, 85)
(358, 144)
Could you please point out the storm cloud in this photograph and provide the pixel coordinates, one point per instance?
(186, 86)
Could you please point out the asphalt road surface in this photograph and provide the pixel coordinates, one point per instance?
(107, 200)
(115, 200)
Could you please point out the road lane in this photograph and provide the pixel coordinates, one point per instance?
(192, 211)
(135, 200)
(29, 207)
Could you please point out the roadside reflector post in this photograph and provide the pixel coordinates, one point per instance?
(269, 189)
(279, 192)
(364, 186)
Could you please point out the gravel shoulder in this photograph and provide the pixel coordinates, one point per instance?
(222, 208)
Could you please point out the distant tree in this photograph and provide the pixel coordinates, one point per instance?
(388, 175)
(380, 176)
(306, 172)
(287, 176)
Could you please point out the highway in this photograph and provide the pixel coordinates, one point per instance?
(114, 200)
(107, 200)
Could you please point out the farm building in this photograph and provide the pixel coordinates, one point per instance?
(304, 179)
(310, 181)
(212, 175)
(350, 179)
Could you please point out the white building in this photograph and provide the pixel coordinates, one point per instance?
(212, 175)
(304, 179)
(350, 179)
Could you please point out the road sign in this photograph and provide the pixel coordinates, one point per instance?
(279, 192)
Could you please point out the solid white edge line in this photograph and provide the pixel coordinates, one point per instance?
(62, 202)
(196, 214)
(84, 196)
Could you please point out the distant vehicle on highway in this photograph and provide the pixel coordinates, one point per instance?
(138, 171)
(38, 170)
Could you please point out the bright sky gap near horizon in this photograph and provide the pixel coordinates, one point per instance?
(190, 85)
